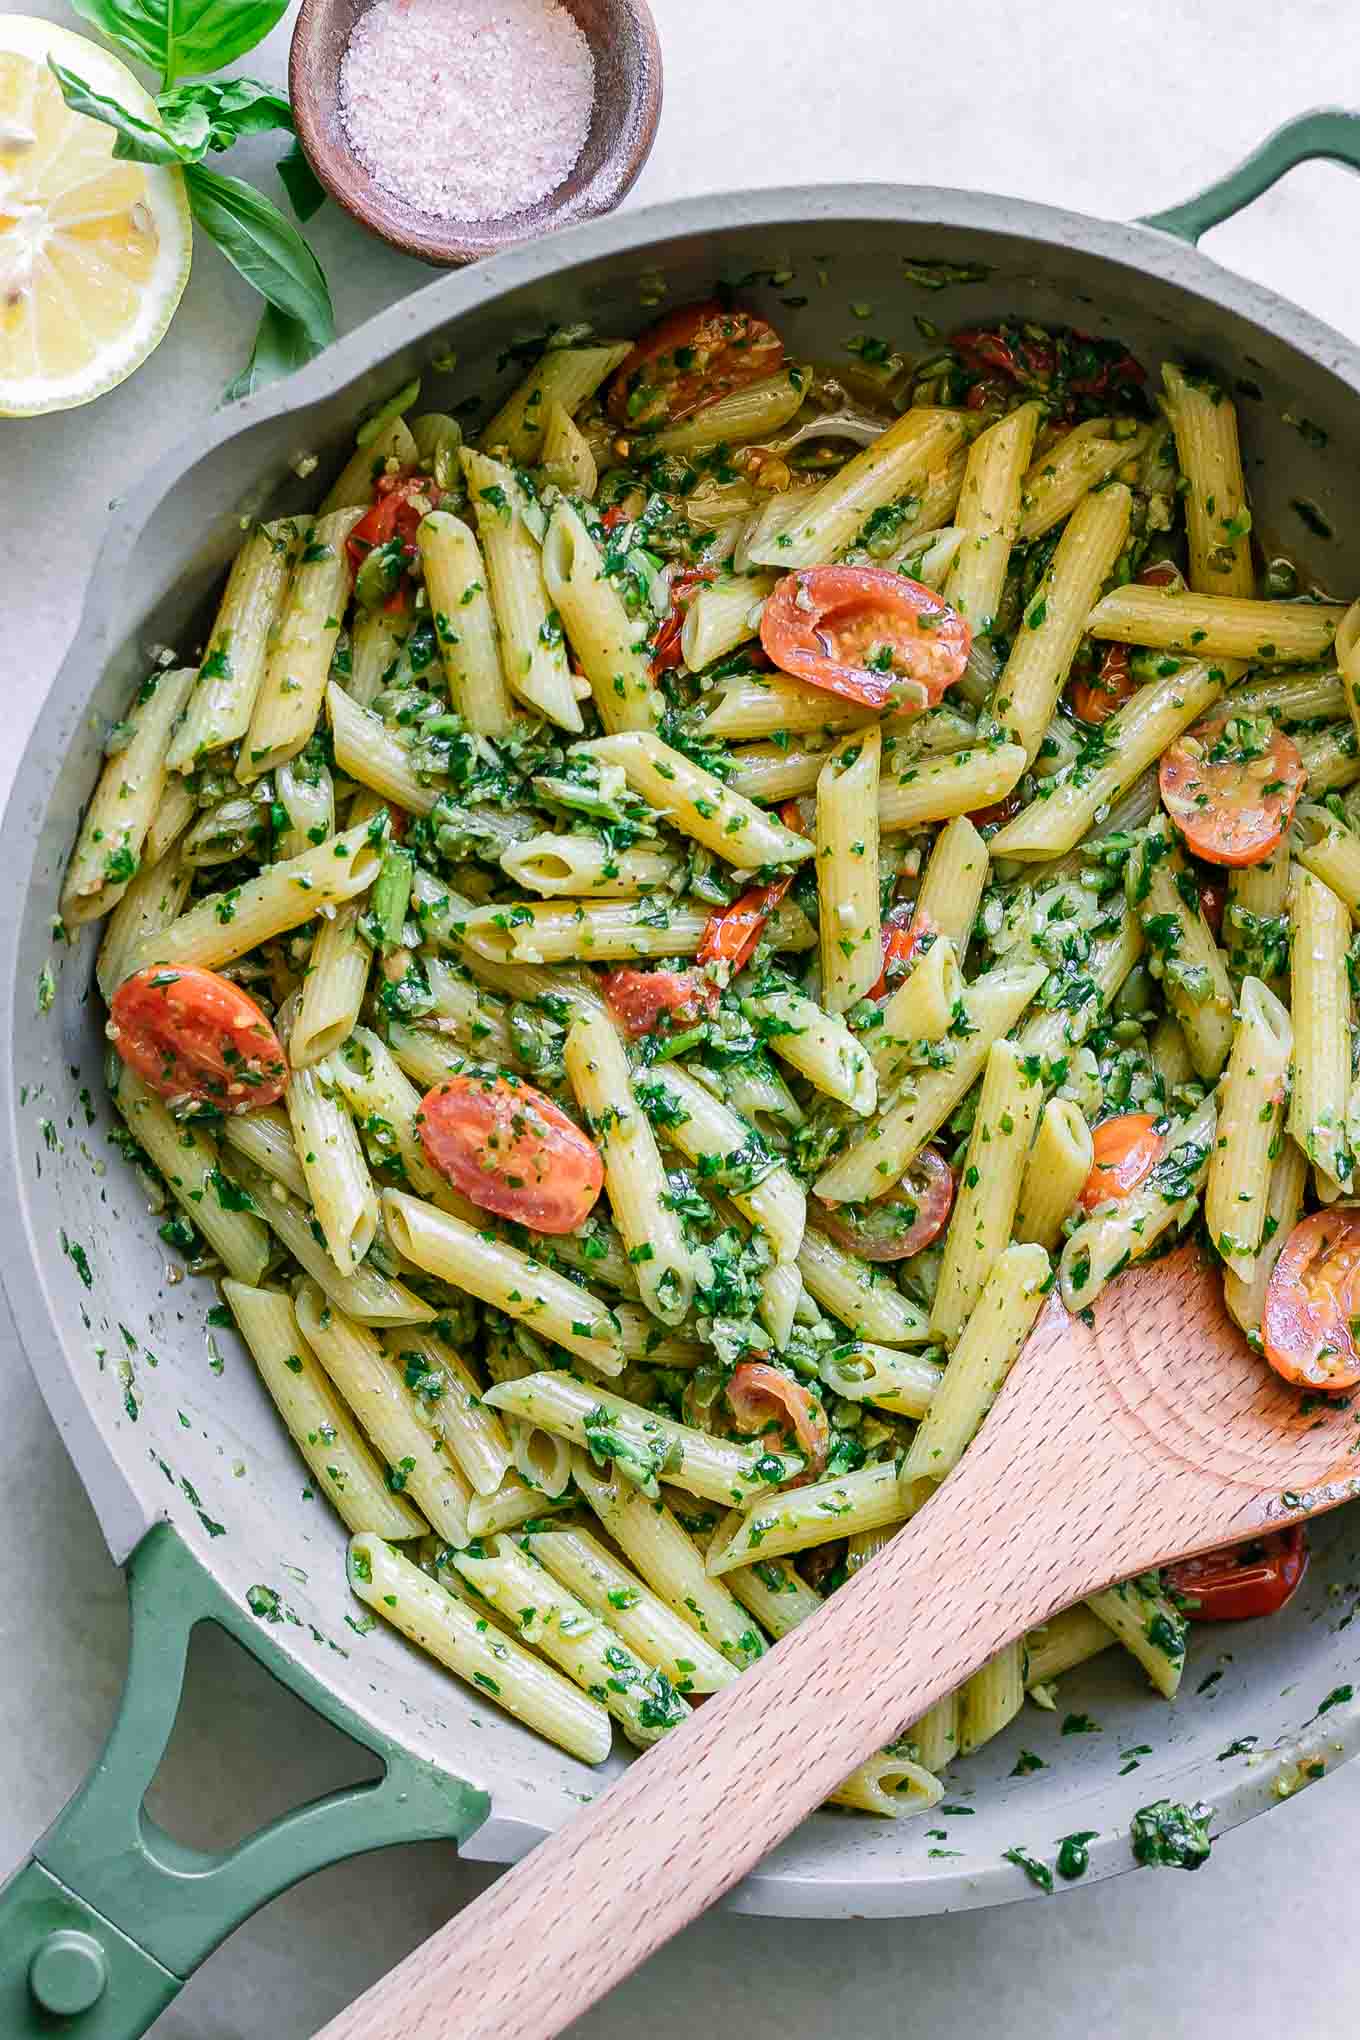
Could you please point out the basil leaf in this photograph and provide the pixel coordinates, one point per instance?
(266, 248)
(180, 38)
(209, 116)
(299, 180)
(138, 141)
(281, 345)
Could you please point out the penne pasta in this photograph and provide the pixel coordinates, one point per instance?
(229, 678)
(989, 1188)
(1249, 1135)
(641, 1443)
(1204, 420)
(499, 1274)
(891, 469)
(1319, 1001)
(997, 1327)
(610, 645)
(656, 1545)
(400, 1420)
(108, 850)
(562, 375)
(634, 1179)
(336, 1451)
(299, 657)
(533, 654)
(991, 1006)
(647, 1625)
(989, 516)
(1057, 1166)
(1216, 626)
(491, 1661)
(457, 582)
(227, 924)
(1062, 475)
(847, 870)
(1055, 618)
(697, 804)
(1131, 740)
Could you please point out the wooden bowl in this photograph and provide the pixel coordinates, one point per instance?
(623, 40)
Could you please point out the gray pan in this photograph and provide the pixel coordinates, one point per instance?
(158, 1445)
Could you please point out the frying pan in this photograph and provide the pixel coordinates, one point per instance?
(197, 1487)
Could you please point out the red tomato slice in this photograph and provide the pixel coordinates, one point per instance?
(986, 353)
(666, 652)
(1231, 798)
(689, 359)
(399, 504)
(1242, 1580)
(733, 932)
(997, 811)
(1308, 1326)
(638, 999)
(895, 1227)
(760, 1395)
(902, 933)
(195, 1038)
(512, 1151)
(1126, 1149)
(866, 634)
(1162, 574)
(1094, 700)
(1213, 898)
(1110, 375)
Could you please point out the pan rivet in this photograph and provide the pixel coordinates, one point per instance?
(68, 1973)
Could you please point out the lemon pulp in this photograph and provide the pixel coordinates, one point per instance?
(94, 253)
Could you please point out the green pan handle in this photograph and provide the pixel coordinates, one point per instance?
(1327, 132)
(99, 1930)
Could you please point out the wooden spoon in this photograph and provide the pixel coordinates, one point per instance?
(1111, 1449)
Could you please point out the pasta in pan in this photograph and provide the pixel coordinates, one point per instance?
(645, 947)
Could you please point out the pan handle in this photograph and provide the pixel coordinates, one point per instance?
(110, 1915)
(1328, 132)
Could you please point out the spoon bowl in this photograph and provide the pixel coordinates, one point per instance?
(623, 42)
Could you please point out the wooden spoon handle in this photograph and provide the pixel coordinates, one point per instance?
(688, 1819)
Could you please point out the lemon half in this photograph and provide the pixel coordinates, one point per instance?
(94, 254)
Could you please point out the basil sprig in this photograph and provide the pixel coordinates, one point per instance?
(179, 38)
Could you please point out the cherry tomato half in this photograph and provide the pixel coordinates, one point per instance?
(1308, 1325)
(1230, 784)
(760, 1395)
(1126, 1149)
(689, 359)
(638, 998)
(512, 1151)
(866, 634)
(1242, 1580)
(1213, 898)
(400, 502)
(196, 1038)
(666, 652)
(733, 932)
(895, 1227)
(1094, 699)
(903, 932)
(1162, 574)
(997, 812)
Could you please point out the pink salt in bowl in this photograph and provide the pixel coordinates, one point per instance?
(623, 119)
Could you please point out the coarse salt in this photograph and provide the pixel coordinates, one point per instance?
(468, 109)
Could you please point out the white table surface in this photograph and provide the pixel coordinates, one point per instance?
(1116, 108)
